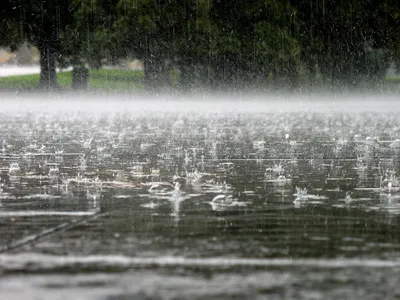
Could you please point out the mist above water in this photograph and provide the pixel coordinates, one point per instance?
(202, 102)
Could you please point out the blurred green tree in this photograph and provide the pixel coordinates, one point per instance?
(348, 41)
(89, 40)
(40, 22)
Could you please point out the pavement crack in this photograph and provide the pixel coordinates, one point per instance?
(31, 239)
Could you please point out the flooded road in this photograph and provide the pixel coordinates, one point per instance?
(186, 200)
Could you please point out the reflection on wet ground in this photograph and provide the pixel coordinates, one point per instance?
(274, 283)
(199, 200)
(313, 281)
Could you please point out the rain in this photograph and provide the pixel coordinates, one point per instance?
(199, 149)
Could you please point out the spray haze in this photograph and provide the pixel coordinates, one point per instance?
(202, 102)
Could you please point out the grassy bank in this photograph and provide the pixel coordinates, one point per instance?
(133, 80)
(103, 79)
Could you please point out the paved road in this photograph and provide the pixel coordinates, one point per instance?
(6, 71)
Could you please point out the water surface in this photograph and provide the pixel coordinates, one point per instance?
(192, 200)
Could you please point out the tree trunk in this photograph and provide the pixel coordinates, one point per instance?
(156, 77)
(154, 73)
(187, 75)
(80, 76)
(48, 77)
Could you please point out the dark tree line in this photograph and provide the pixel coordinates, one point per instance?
(40, 23)
(212, 43)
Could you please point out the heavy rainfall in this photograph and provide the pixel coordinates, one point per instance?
(199, 149)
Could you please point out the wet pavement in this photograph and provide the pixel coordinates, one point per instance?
(140, 204)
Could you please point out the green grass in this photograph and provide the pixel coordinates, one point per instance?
(112, 79)
(120, 80)
(24, 82)
(103, 79)
(393, 79)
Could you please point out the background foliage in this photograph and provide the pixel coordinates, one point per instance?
(212, 44)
